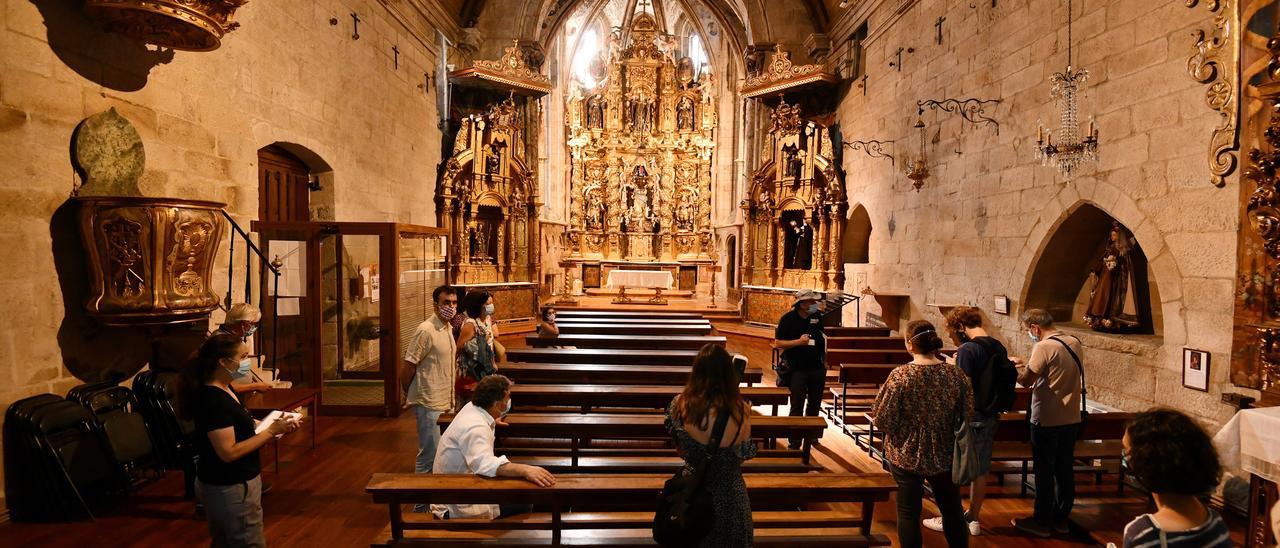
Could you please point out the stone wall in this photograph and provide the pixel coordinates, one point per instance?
(982, 220)
(286, 75)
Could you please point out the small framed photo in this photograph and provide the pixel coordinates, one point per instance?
(1002, 304)
(1195, 369)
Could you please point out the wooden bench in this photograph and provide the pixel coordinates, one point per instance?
(621, 528)
(633, 321)
(865, 343)
(857, 331)
(585, 397)
(1100, 441)
(838, 356)
(633, 342)
(602, 356)
(601, 426)
(659, 464)
(609, 328)
(567, 373)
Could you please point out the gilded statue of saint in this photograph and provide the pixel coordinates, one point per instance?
(1112, 305)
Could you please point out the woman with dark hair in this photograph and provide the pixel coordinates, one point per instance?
(477, 343)
(228, 476)
(1174, 459)
(918, 409)
(711, 392)
(547, 328)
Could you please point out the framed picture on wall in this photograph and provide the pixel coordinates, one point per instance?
(1002, 304)
(1195, 369)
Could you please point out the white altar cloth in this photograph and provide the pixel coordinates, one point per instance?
(640, 279)
(1251, 441)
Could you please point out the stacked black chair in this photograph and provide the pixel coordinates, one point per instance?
(57, 460)
(156, 393)
(116, 409)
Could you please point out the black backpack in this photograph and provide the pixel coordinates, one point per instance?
(995, 389)
(686, 513)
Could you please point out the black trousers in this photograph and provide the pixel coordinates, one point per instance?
(910, 499)
(806, 393)
(1053, 461)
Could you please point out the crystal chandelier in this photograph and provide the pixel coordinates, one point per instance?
(1070, 151)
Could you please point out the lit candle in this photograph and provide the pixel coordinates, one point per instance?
(1040, 134)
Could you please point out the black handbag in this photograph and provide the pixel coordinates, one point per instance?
(686, 512)
(781, 369)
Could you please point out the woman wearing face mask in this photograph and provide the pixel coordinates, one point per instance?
(477, 343)
(228, 476)
(547, 328)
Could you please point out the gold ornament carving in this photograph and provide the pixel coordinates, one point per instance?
(509, 73)
(782, 75)
(193, 25)
(1215, 61)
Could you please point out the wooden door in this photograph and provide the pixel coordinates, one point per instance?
(282, 187)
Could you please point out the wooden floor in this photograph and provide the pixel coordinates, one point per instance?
(318, 499)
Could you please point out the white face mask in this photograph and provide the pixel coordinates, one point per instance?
(551, 317)
(242, 371)
(508, 409)
(1034, 338)
(488, 310)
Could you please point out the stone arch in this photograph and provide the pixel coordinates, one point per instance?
(856, 247)
(731, 261)
(1163, 270)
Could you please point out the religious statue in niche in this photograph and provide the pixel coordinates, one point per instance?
(493, 160)
(641, 116)
(684, 114)
(1112, 303)
(798, 245)
(790, 161)
(595, 209)
(686, 210)
(596, 106)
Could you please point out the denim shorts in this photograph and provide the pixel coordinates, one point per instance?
(984, 436)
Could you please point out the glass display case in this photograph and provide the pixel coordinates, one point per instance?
(350, 297)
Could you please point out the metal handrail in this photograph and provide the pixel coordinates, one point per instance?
(248, 283)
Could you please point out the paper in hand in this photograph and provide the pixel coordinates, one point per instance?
(276, 416)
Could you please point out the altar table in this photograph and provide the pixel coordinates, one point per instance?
(640, 278)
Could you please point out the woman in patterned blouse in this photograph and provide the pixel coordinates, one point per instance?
(917, 409)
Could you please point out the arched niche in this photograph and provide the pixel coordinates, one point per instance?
(857, 237)
(1063, 277)
(731, 260)
(294, 184)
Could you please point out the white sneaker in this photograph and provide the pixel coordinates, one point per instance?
(935, 524)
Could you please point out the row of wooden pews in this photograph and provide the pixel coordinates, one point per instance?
(588, 406)
(861, 364)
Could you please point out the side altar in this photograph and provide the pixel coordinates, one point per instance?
(641, 143)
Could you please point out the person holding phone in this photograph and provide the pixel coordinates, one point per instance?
(804, 348)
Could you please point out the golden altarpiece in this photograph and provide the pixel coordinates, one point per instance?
(794, 215)
(487, 195)
(641, 145)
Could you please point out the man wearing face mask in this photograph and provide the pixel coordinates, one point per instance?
(467, 448)
(1054, 373)
(427, 375)
(242, 322)
(804, 347)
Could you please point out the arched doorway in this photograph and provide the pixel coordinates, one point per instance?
(731, 262)
(856, 246)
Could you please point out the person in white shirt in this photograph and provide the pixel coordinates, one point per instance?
(427, 375)
(467, 448)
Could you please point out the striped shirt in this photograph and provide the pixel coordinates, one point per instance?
(1144, 532)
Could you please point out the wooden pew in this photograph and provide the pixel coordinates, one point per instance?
(602, 356)
(601, 426)
(635, 342)
(655, 464)
(566, 373)
(836, 357)
(857, 331)
(610, 328)
(585, 397)
(866, 343)
(773, 528)
(1101, 441)
(569, 313)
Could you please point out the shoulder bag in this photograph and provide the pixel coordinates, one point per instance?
(1084, 391)
(686, 512)
(965, 464)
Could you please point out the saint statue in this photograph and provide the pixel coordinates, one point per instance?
(684, 114)
(798, 245)
(1112, 304)
(595, 112)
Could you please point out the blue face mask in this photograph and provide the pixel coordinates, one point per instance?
(246, 365)
(1034, 338)
(488, 309)
(813, 308)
